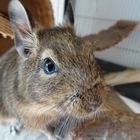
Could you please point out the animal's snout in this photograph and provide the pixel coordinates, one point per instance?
(92, 106)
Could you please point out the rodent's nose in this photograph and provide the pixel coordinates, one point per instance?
(92, 106)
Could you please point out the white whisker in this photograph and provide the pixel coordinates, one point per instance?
(62, 127)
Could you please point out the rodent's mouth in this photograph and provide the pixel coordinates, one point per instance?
(94, 114)
(81, 108)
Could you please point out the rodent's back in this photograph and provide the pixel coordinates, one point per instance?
(8, 71)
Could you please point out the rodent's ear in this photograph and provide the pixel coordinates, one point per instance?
(111, 36)
(25, 40)
(68, 13)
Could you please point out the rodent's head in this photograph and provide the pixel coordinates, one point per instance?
(57, 69)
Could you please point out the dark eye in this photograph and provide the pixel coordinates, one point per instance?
(49, 66)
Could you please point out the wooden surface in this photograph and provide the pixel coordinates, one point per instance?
(5, 44)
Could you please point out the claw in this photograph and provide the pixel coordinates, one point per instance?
(15, 128)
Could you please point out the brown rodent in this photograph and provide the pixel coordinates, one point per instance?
(49, 75)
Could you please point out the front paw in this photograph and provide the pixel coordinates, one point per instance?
(15, 128)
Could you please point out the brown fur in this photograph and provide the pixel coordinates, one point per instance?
(37, 101)
(24, 91)
(76, 93)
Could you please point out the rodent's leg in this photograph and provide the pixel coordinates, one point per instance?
(15, 127)
(14, 124)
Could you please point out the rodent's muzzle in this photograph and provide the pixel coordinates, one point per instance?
(85, 102)
(92, 106)
(92, 98)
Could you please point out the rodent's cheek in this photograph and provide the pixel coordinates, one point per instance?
(57, 95)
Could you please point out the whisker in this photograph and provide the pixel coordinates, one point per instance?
(62, 128)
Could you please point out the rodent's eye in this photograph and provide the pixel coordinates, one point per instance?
(49, 66)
